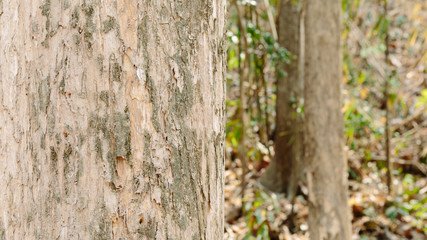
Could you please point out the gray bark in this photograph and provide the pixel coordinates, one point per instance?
(285, 170)
(112, 119)
(329, 215)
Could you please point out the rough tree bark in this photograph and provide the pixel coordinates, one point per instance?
(329, 215)
(283, 173)
(111, 119)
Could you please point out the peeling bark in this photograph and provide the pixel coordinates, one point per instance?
(112, 119)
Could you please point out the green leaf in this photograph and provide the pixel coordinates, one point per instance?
(391, 212)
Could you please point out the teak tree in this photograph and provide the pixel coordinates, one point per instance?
(329, 215)
(285, 170)
(112, 119)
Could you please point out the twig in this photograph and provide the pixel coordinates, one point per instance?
(394, 128)
(372, 60)
(387, 110)
(417, 61)
(409, 119)
(244, 73)
(401, 162)
(271, 20)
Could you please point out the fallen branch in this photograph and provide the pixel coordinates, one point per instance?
(402, 162)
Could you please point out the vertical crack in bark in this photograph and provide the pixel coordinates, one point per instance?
(111, 116)
(195, 190)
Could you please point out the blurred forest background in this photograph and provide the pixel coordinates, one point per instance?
(384, 58)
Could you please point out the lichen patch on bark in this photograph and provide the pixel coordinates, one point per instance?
(109, 120)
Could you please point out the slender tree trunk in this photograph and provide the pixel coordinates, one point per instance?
(112, 119)
(244, 69)
(283, 174)
(329, 216)
(387, 102)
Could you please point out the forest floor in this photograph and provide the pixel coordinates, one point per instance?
(377, 214)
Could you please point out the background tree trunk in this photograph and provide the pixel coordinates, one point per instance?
(112, 119)
(329, 216)
(283, 173)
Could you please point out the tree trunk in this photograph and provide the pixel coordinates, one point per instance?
(329, 216)
(112, 119)
(283, 173)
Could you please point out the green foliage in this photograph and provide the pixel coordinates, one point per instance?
(262, 55)
(410, 202)
(422, 100)
(260, 213)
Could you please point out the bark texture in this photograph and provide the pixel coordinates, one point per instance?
(112, 119)
(329, 215)
(283, 173)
